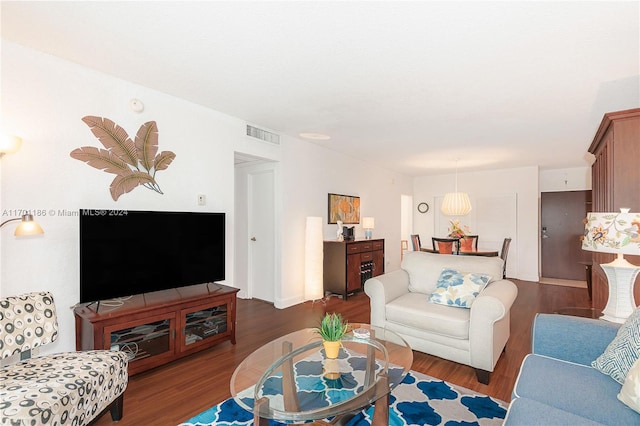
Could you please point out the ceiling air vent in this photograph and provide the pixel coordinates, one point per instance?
(257, 133)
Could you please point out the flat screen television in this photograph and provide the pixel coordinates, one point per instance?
(123, 253)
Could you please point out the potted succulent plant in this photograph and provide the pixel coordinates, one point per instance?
(332, 328)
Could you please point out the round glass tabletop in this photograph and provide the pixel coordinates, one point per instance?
(291, 379)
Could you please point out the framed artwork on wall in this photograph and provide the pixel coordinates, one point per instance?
(345, 208)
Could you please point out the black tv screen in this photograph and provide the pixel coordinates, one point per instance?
(126, 252)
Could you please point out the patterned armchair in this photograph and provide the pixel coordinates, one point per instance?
(64, 388)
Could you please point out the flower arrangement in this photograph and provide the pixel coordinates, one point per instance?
(456, 230)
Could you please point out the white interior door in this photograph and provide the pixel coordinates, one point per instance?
(261, 187)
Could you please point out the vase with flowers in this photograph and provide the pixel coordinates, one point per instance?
(456, 230)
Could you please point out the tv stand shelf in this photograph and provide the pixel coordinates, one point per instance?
(159, 327)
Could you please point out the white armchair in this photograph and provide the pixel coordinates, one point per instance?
(474, 336)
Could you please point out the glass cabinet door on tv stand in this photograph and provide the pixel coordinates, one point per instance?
(144, 341)
(204, 323)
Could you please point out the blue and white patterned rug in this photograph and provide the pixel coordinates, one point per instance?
(417, 400)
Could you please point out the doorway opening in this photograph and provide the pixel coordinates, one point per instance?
(256, 245)
(406, 223)
(563, 262)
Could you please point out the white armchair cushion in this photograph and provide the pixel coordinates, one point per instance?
(422, 278)
(630, 392)
(455, 288)
(415, 310)
(424, 268)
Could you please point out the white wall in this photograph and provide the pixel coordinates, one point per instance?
(520, 181)
(309, 173)
(569, 179)
(43, 100)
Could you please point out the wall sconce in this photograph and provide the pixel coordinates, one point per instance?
(368, 223)
(27, 226)
(9, 144)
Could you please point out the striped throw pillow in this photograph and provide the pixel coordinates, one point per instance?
(623, 350)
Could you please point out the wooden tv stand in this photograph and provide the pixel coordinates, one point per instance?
(159, 327)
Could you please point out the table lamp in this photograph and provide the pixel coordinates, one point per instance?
(617, 233)
(368, 223)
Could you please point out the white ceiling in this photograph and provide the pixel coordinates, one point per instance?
(412, 86)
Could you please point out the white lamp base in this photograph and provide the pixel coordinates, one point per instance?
(621, 276)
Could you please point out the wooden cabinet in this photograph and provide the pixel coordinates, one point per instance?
(348, 264)
(159, 327)
(615, 178)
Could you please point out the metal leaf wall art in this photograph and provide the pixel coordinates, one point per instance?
(134, 162)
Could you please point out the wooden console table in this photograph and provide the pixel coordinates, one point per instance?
(348, 264)
(159, 327)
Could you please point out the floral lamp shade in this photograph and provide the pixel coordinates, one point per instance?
(612, 232)
(617, 233)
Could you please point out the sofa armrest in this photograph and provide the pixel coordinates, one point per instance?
(382, 290)
(489, 323)
(574, 339)
(494, 302)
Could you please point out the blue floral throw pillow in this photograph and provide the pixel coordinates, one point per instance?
(457, 288)
(623, 350)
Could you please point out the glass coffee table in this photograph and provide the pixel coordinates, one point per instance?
(290, 380)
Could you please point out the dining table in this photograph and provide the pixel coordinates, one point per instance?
(468, 252)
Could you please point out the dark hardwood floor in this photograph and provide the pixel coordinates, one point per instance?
(173, 393)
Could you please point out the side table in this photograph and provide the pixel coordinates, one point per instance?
(587, 267)
(580, 312)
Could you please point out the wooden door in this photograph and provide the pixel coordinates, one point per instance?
(562, 215)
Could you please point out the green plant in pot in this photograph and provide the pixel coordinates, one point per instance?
(332, 328)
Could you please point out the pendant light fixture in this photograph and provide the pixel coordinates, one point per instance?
(456, 203)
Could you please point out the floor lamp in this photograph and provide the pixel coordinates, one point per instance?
(617, 233)
(313, 259)
(27, 226)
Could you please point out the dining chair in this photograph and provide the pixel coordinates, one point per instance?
(446, 245)
(503, 255)
(469, 242)
(415, 241)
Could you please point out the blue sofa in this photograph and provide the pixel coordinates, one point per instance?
(557, 385)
